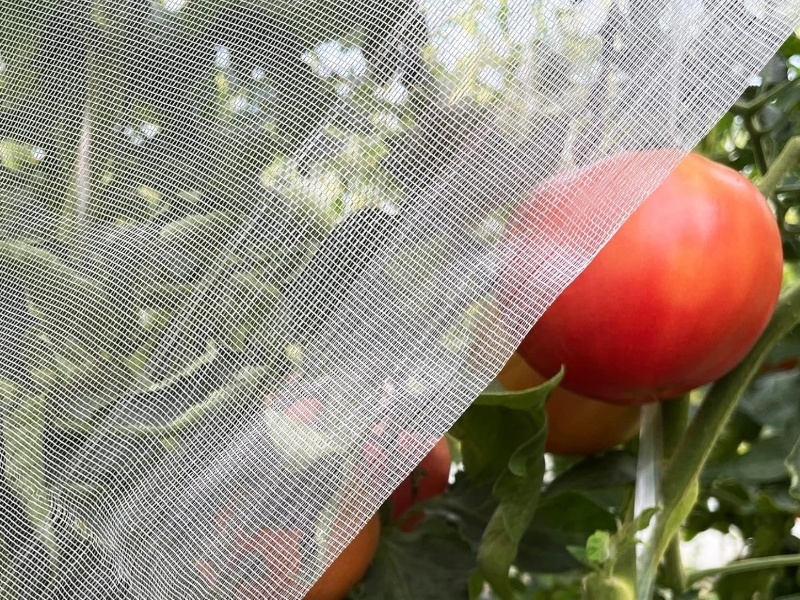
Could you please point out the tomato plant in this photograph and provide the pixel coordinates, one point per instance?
(507, 505)
(676, 297)
(576, 425)
(148, 313)
(428, 479)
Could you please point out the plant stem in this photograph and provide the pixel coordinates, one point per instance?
(676, 420)
(747, 564)
(746, 108)
(683, 471)
(674, 573)
(786, 160)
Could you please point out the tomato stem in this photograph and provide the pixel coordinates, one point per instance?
(675, 419)
(648, 473)
(746, 565)
(785, 162)
(749, 107)
(683, 471)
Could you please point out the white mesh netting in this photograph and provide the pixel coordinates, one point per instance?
(212, 211)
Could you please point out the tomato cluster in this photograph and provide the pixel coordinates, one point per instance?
(673, 301)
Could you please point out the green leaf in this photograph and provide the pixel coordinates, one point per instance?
(598, 548)
(23, 437)
(771, 400)
(188, 247)
(612, 469)
(241, 308)
(765, 462)
(78, 322)
(516, 489)
(502, 440)
(470, 505)
(413, 267)
(530, 400)
(643, 519)
(571, 517)
(431, 563)
(543, 551)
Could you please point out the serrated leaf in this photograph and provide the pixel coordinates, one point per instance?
(598, 548)
(469, 506)
(431, 563)
(531, 399)
(517, 490)
(497, 439)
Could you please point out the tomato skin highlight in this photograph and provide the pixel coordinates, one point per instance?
(678, 295)
(350, 566)
(429, 478)
(576, 425)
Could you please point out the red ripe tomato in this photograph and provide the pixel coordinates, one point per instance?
(428, 479)
(676, 298)
(576, 425)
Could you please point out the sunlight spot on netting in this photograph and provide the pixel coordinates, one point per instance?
(393, 93)
(258, 73)
(492, 77)
(332, 58)
(222, 59)
(173, 5)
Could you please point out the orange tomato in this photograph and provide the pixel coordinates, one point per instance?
(350, 566)
(279, 549)
(576, 425)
